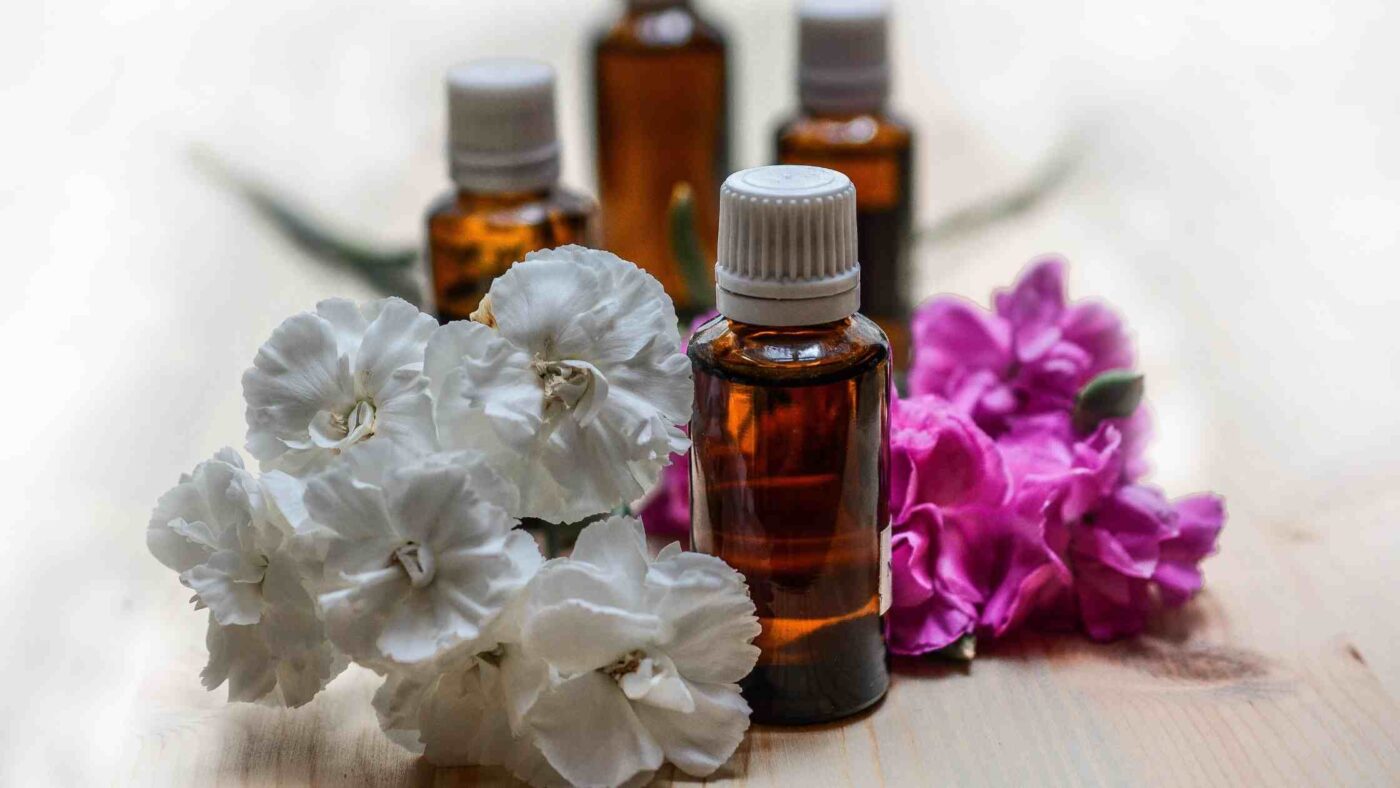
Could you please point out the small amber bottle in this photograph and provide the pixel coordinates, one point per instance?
(507, 202)
(662, 119)
(844, 124)
(791, 434)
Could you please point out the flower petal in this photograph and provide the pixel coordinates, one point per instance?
(297, 374)
(577, 636)
(1034, 303)
(701, 741)
(229, 586)
(590, 733)
(951, 334)
(238, 655)
(711, 617)
(394, 340)
(616, 545)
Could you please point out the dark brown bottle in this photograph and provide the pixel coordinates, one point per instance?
(844, 125)
(661, 105)
(790, 443)
(474, 237)
(505, 165)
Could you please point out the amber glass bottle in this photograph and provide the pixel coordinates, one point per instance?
(505, 165)
(661, 107)
(844, 125)
(789, 463)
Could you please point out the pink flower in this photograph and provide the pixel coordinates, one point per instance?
(963, 559)
(1030, 356)
(1124, 548)
(665, 512)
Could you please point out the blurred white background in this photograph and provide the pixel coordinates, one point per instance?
(1237, 195)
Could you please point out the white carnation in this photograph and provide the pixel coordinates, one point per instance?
(420, 555)
(220, 530)
(465, 712)
(337, 377)
(572, 379)
(645, 656)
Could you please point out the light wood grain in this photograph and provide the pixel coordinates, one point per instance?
(1254, 685)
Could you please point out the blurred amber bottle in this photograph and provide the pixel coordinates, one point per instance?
(505, 166)
(844, 85)
(789, 461)
(661, 102)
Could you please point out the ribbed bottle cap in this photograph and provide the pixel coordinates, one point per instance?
(843, 57)
(501, 133)
(787, 246)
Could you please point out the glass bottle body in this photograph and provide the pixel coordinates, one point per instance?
(789, 486)
(474, 237)
(661, 115)
(876, 152)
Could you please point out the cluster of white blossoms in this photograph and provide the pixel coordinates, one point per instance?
(397, 460)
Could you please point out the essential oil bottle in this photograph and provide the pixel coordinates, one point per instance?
(661, 120)
(844, 124)
(790, 441)
(504, 153)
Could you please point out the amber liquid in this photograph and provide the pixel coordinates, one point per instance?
(789, 485)
(662, 119)
(474, 237)
(876, 153)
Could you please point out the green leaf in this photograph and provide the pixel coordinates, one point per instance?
(391, 272)
(686, 248)
(1114, 394)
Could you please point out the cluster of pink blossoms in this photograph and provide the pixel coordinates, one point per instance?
(1010, 499)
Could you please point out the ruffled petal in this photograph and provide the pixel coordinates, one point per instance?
(616, 545)
(229, 585)
(590, 733)
(1034, 304)
(577, 636)
(238, 655)
(701, 741)
(1199, 520)
(711, 617)
(1099, 332)
(394, 340)
(950, 334)
(297, 374)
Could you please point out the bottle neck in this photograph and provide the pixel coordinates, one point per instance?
(774, 312)
(746, 330)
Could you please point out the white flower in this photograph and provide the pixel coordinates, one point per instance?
(421, 553)
(220, 530)
(463, 712)
(572, 379)
(343, 375)
(646, 655)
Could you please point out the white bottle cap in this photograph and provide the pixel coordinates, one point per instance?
(500, 119)
(843, 57)
(787, 247)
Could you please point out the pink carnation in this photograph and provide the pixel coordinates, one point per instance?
(963, 559)
(1030, 356)
(665, 512)
(1124, 548)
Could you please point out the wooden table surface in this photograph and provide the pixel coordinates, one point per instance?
(1233, 189)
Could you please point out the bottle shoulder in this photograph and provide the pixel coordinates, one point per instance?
(789, 355)
(525, 208)
(658, 31)
(868, 131)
